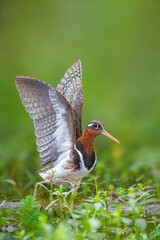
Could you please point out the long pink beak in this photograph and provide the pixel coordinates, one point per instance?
(110, 136)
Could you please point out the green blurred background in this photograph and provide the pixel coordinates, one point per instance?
(118, 43)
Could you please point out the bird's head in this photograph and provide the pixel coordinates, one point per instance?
(96, 128)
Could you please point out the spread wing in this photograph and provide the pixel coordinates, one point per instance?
(53, 118)
(71, 88)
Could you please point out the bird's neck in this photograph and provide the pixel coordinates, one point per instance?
(87, 140)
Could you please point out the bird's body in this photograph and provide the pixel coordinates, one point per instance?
(57, 115)
(71, 168)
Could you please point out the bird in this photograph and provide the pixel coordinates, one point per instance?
(66, 154)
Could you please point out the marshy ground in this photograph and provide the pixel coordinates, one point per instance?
(93, 216)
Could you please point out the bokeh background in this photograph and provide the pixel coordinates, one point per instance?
(118, 43)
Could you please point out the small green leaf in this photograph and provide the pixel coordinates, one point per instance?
(8, 212)
(72, 197)
(3, 221)
(141, 223)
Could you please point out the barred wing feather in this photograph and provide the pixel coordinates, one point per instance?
(71, 88)
(53, 119)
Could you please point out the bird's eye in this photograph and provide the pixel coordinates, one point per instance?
(96, 126)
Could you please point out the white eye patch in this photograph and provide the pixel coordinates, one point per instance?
(90, 125)
(94, 125)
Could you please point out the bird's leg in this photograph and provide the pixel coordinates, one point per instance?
(36, 186)
(112, 195)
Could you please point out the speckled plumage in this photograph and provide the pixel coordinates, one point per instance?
(71, 88)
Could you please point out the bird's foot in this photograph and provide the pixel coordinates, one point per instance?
(113, 195)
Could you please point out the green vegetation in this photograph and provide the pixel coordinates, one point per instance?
(3, 217)
(95, 217)
(118, 44)
(29, 213)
